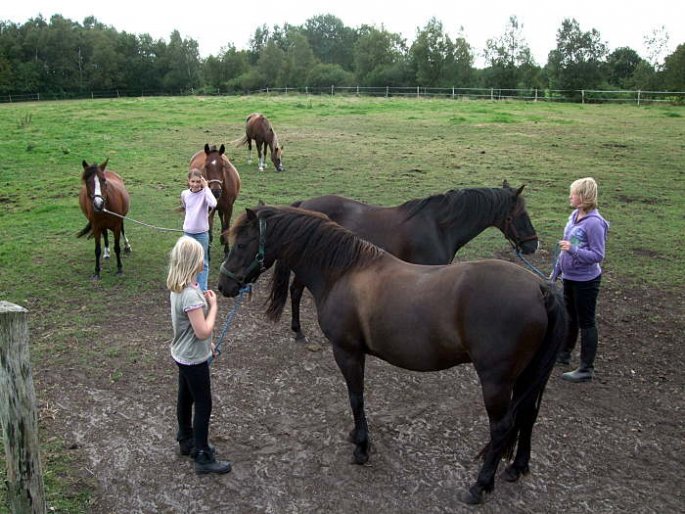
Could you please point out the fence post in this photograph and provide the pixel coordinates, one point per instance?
(387, 91)
(18, 417)
(638, 97)
(582, 96)
(332, 89)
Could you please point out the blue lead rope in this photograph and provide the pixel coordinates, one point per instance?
(229, 319)
(533, 268)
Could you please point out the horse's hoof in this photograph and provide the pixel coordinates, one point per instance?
(512, 473)
(95, 277)
(119, 273)
(361, 457)
(127, 250)
(300, 337)
(472, 497)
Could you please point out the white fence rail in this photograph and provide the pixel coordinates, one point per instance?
(637, 97)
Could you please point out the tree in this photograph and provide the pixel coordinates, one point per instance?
(326, 75)
(376, 52)
(576, 62)
(621, 65)
(656, 43)
(299, 60)
(673, 74)
(270, 65)
(330, 40)
(510, 59)
(431, 55)
(182, 62)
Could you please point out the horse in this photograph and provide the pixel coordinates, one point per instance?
(224, 181)
(259, 128)
(429, 230)
(104, 201)
(495, 314)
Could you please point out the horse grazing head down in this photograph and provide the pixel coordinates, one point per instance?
(96, 184)
(214, 168)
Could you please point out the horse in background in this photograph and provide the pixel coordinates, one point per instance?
(500, 317)
(429, 230)
(224, 181)
(259, 129)
(104, 201)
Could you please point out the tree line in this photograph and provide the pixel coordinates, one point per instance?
(64, 57)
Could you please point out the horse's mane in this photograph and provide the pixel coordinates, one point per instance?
(311, 238)
(457, 205)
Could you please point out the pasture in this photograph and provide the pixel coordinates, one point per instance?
(106, 386)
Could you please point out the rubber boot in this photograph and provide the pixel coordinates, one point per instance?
(187, 448)
(205, 463)
(564, 358)
(588, 350)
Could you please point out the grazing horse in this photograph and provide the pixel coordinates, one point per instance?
(429, 230)
(495, 314)
(223, 180)
(259, 128)
(104, 201)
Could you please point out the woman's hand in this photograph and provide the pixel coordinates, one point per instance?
(565, 245)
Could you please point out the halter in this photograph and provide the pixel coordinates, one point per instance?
(510, 228)
(257, 263)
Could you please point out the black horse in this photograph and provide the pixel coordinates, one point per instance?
(505, 320)
(429, 230)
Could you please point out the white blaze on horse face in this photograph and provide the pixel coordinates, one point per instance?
(98, 200)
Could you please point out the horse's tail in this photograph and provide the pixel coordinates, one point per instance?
(530, 385)
(241, 141)
(86, 230)
(279, 290)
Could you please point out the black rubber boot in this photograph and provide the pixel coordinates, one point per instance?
(187, 448)
(564, 358)
(588, 351)
(205, 463)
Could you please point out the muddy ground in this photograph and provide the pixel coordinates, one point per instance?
(282, 416)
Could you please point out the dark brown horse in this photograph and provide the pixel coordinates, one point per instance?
(495, 314)
(223, 180)
(429, 230)
(259, 129)
(104, 201)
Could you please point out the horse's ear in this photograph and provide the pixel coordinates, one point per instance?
(260, 203)
(505, 184)
(520, 190)
(104, 164)
(206, 147)
(84, 164)
(222, 149)
(251, 215)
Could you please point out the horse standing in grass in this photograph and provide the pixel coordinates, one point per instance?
(259, 129)
(495, 314)
(224, 181)
(429, 230)
(104, 201)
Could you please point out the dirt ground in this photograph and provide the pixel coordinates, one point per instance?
(282, 416)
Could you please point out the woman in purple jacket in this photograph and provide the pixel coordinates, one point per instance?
(582, 251)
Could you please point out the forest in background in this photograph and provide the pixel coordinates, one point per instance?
(64, 57)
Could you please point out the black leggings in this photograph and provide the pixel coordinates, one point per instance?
(581, 304)
(194, 388)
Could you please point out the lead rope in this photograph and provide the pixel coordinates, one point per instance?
(140, 222)
(229, 319)
(535, 270)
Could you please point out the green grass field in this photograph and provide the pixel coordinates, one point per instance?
(382, 151)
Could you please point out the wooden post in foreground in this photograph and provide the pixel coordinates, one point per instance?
(18, 416)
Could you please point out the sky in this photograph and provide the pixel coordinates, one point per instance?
(215, 24)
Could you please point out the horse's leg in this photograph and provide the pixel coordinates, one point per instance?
(98, 252)
(117, 250)
(497, 396)
(296, 290)
(104, 234)
(249, 150)
(261, 150)
(525, 419)
(351, 365)
(127, 245)
(225, 216)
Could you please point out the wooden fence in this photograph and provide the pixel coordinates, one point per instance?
(18, 416)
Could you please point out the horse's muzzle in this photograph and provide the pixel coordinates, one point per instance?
(216, 193)
(98, 203)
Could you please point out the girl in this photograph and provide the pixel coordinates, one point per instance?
(582, 251)
(197, 200)
(193, 314)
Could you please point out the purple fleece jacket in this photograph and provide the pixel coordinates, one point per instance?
(588, 238)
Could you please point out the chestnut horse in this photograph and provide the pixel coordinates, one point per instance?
(104, 201)
(429, 230)
(259, 128)
(223, 180)
(495, 314)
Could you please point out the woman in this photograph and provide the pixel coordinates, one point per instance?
(581, 252)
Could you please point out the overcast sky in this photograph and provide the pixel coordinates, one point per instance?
(214, 24)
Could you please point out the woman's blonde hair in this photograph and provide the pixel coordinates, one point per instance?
(185, 261)
(195, 172)
(586, 189)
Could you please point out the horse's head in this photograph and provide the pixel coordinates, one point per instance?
(96, 184)
(517, 227)
(277, 157)
(247, 258)
(214, 169)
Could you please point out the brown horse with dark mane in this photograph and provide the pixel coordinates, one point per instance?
(429, 230)
(224, 181)
(495, 314)
(104, 201)
(259, 129)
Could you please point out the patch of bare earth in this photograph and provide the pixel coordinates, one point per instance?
(282, 416)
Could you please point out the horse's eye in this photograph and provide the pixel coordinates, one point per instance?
(241, 246)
